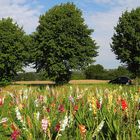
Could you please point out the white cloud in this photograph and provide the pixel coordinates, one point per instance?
(21, 12)
(115, 3)
(102, 1)
(103, 23)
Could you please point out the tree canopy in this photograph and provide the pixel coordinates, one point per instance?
(12, 49)
(63, 42)
(126, 40)
(95, 72)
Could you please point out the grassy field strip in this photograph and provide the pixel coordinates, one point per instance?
(87, 81)
(71, 82)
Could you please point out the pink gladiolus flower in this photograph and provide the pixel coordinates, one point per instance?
(44, 124)
(15, 135)
(41, 98)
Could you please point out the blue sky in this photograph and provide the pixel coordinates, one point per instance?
(100, 15)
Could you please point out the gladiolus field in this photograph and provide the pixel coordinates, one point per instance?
(70, 112)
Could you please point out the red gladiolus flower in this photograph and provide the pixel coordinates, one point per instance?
(15, 135)
(1, 101)
(61, 108)
(76, 108)
(48, 109)
(124, 104)
(57, 127)
(98, 104)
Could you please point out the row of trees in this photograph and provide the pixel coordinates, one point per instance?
(92, 72)
(62, 43)
(98, 72)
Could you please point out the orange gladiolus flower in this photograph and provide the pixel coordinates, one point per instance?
(82, 129)
(29, 122)
(5, 125)
(53, 105)
(14, 127)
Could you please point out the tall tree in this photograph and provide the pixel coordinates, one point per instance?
(63, 42)
(12, 48)
(126, 40)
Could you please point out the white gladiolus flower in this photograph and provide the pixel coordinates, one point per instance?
(90, 107)
(36, 103)
(64, 123)
(11, 94)
(37, 115)
(71, 88)
(48, 88)
(25, 91)
(139, 124)
(106, 91)
(70, 119)
(3, 120)
(120, 88)
(101, 100)
(25, 96)
(71, 99)
(45, 99)
(79, 96)
(98, 129)
(19, 118)
(18, 115)
(101, 125)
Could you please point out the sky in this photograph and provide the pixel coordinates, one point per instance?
(100, 15)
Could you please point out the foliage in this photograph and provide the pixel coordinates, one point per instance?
(13, 49)
(71, 112)
(125, 41)
(4, 82)
(120, 71)
(77, 75)
(91, 72)
(98, 72)
(63, 42)
(29, 76)
(94, 72)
